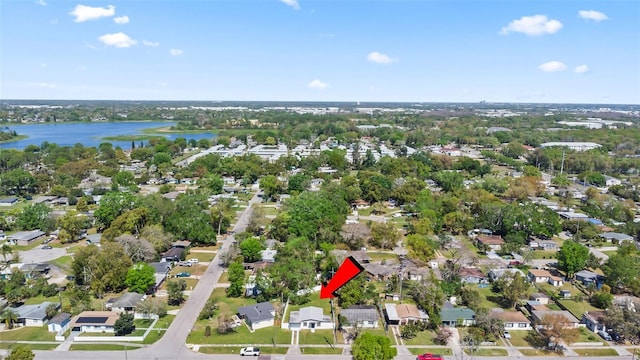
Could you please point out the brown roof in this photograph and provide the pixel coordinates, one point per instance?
(107, 318)
(475, 272)
(491, 239)
(512, 316)
(540, 273)
(407, 311)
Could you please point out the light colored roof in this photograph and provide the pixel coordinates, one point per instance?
(392, 314)
(511, 316)
(128, 299)
(37, 311)
(539, 314)
(473, 272)
(308, 313)
(407, 311)
(616, 236)
(357, 314)
(491, 239)
(95, 318)
(26, 235)
(540, 273)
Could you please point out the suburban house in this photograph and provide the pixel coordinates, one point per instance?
(30, 271)
(24, 238)
(95, 321)
(126, 303)
(173, 254)
(94, 239)
(309, 317)
(587, 278)
(543, 245)
(33, 315)
(269, 255)
(615, 237)
(611, 181)
(495, 274)
(379, 272)
(540, 276)
(9, 201)
(540, 297)
(513, 320)
(415, 273)
(571, 320)
(360, 316)
(59, 322)
(594, 320)
(161, 272)
(359, 255)
(182, 244)
(258, 315)
(533, 305)
(471, 275)
(360, 204)
(456, 316)
(402, 314)
(493, 242)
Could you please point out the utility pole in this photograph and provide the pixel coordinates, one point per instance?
(562, 164)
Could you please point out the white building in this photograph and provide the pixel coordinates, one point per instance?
(577, 146)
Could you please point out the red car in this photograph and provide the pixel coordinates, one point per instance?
(428, 357)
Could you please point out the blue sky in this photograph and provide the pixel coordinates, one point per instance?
(322, 50)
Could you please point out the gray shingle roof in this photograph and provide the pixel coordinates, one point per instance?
(37, 311)
(128, 300)
(357, 314)
(257, 312)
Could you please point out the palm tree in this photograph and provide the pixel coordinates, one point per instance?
(9, 317)
(51, 310)
(5, 250)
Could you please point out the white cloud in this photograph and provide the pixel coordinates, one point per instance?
(119, 40)
(592, 15)
(533, 26)
(553, 66)
(380, 58)
(176, 52)
(41, 3)
(581, 69)
(150, 43)
(85, 13)
(293, 3)
(121, 20)
(317, 84)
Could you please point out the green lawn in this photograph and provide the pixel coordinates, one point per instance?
(227, 305)
(378, 256)
(164, 322)
(319, 337)
(487, 352)
(153, 336)
(596, 352)
(242, 335)
(236, 350)
(536, 352)
(28, 333)
(544, 254)
(269, 210)
(39, 299)
(321, 350)
(518, 338)
(432, 350)
(380, 332)
(63, 262)
(587, 336)
(610, 253)
(422, 338)
(102, 347)
(10, 346)
(488, 299)
(577, 308)
(202, 257)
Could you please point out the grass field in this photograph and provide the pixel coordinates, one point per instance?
(202, 257)
(102, 347)
(536, 352)
(242, 335)
(378, 256)
(321, 350)
(431, 350)
(319, 337)
(488, 299)
(544, 254)
(518, 338)
(422, 338)
(596, 352)
(236, 350)
(577, 308)
(587, 336)
(315, 301)
(10, 346)
(63, 262)
(487, 352)
(28, 333)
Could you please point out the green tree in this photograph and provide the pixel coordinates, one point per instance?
(356, 292)
(236, 280)
(174, 293)
(81, 265)
(271, 186)
(251, 249)
(372, 347)
(112, 205)
(209, 309)
(140, 278)
(572, 257)
(17, 182)
(622, 269)
(9, 317)
(213, 182)
(384, 235)
(449, 181)
(33, 217)
(513, 287)
(21, 352)
(420, 247)
(124, 178)
(124, 325)
(72, 224)
(311, 212)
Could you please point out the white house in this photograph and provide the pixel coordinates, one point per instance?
(361, 316)
(33, 315)
(59, 323)
(611, 181)
(258, 315)
(95, 321)
(513, 320)
(310, 317)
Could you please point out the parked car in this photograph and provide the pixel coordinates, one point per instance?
(184, 263)
(47, 247)
(250, 351)
(428, 357)
(193, 261)
(506, 334)
(605, 335)
(183, 274)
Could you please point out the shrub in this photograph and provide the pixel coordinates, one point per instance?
(207, 331)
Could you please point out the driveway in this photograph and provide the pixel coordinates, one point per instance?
(37, 255)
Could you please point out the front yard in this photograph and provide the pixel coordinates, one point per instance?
(431, 350)
(422, 338)
(577, 308)
(596, 352)
(27, 333)
(241, 335)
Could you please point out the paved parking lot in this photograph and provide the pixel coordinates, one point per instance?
(37, 255)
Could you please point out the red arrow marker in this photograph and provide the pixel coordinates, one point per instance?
(347, 271)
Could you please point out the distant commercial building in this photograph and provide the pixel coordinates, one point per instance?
(577, 146)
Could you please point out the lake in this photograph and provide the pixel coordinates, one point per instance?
(89, 134)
